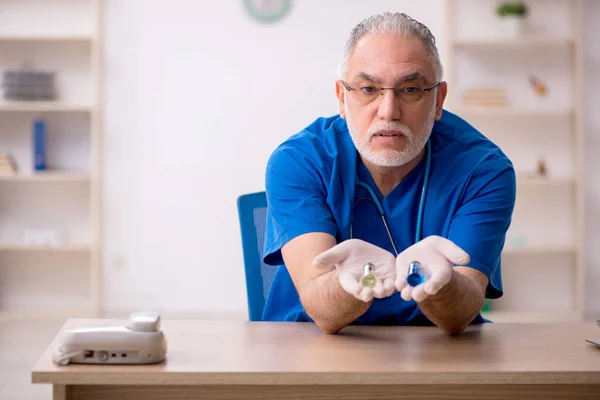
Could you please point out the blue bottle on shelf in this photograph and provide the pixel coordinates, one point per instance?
(39, 144)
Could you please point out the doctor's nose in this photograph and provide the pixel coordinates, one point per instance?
(389, 106)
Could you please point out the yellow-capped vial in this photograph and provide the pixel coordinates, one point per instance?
(369, 279)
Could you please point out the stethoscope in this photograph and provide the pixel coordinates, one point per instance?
(421, 202)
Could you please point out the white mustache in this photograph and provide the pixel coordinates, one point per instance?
(390, 126)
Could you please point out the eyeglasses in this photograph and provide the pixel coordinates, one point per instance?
(366, 94)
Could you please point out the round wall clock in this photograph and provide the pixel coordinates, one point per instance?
(267, 10)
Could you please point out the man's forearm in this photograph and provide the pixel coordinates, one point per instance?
(455, 305)
(329, 305)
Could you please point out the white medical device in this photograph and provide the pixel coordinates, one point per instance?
(139, 341)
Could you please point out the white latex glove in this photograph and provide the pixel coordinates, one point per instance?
(437, 256)
(349, 258)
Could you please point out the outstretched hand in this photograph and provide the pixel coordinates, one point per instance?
(437, 256)
(349, 259)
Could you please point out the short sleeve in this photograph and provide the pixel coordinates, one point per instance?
(296, 196)
(480, 224)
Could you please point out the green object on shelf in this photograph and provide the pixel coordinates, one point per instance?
(518, 241)
(487, 305)
(517, 8)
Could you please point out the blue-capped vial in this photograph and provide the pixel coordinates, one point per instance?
(415, 274)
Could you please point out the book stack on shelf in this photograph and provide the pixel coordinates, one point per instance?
(7, 165)
(523, 92)
(485, 97)
(49, 120)
(28, 84)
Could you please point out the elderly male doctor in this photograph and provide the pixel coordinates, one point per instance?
(392, 179)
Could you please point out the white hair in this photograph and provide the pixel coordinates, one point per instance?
(392, 23)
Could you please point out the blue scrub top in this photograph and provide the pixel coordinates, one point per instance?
(310, 187)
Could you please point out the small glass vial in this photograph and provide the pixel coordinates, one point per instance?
(369, 279)
(415, 274)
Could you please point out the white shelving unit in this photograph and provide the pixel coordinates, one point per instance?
(542, 263)
(509, 43)
(60, 277)
(53, 176)
(472, 112)
(41, 106)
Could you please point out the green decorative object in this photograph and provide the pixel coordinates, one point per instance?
(518, 241)
(487, 305)
(267, 11)
(517, 9)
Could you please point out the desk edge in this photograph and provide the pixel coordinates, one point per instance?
(298, 378)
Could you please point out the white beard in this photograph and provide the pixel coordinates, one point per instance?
(389, 157)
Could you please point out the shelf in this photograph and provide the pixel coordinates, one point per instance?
(529, 128)
(52, 216)
(525, 42)
(558, 316)
(544, 181)
(28, 106)
(538, 249)
(53, 248)
(511, 112)
(50, 176)
(45, 38)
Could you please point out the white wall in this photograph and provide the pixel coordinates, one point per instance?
(592, 161)
(197, 95)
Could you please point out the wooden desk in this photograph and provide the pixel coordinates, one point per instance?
(237, 360)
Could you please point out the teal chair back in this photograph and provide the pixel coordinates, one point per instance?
(252, 212)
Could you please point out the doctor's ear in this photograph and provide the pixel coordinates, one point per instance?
(442, 91)
(339, 92)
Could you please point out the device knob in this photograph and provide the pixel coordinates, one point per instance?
(102, 355)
